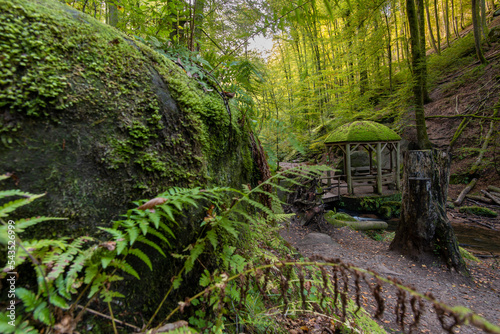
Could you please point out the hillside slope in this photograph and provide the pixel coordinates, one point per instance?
(468, 88)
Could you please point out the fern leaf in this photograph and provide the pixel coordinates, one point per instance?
(258, 205)
(66, 258)
(195, 253)
(133, 233)
(151, 244)
(167, 212)
(121, 264)
(14, 192)
(22, 224)
(42, 313)
(77, 266)
(140, 254)
(28, 297)
(228, 225)
(61, 288)
(158, 235)
(90, 273)
(117, 234)
(212, 237)
(155, 218)
(58, 301)
(167, 229)
(13, 205)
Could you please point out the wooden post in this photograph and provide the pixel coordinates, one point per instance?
(398, 167)
(350, 188)
(370, 151)
(379, 168)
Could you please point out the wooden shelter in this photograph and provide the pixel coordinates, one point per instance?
(374, 138)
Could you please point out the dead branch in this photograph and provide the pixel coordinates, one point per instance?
(464, 192)
(494, 189)
(493, 198)
(479, 198)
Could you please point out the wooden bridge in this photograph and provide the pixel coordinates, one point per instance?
(364, 182)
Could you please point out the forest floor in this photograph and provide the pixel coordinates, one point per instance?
(481, 292)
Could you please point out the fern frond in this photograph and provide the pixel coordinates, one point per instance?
(229, 226)
(195, 253)
(257, 205)
(155, 218)
(13, 205)
(133, 233)
(22, 224)
(63, 260)
(14, 192)
(167, 229)
(140, 254)
(151, 244)
(158, 234)
(124, 266)
(77, 266)
(283, 217)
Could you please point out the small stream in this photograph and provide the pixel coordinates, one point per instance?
(474, 238)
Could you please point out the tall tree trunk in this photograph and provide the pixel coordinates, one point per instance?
(477, 32)
(424, 230)
(462, 15)
(446, 18)
(484, 26)
(389, 50)
(433, 41)
(112, 14)
(454, 19)
(421, 29)
(438, 32)
(418, 75)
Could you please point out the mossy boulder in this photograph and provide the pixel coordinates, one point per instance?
(97, 120)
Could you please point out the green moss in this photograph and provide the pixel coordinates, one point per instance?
(478, 210)
(467, 255)
(362, 131)
(339, 216)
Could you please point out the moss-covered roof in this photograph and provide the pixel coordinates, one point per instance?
(361, 131)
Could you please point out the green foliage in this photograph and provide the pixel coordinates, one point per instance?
(479, 211)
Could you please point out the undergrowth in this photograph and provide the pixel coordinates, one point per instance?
(255, 287)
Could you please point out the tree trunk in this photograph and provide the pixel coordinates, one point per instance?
(438, 33)
(431, 35)
(424, 230)
(389, 50)
(477, 32)
(447, 22)
(423, 61)
(112, 14)
(418, 60)
(484, 26)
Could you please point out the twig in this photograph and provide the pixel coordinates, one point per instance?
(108, 317)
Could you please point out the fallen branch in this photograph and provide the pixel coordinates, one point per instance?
(464, 192)
(494, 189)
(460, 115)
(493, 198)
(479, 198)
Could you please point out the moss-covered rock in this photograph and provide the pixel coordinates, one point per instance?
(97, 120)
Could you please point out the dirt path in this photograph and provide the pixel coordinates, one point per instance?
(481, 293)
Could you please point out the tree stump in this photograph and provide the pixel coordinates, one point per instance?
(424, 229)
